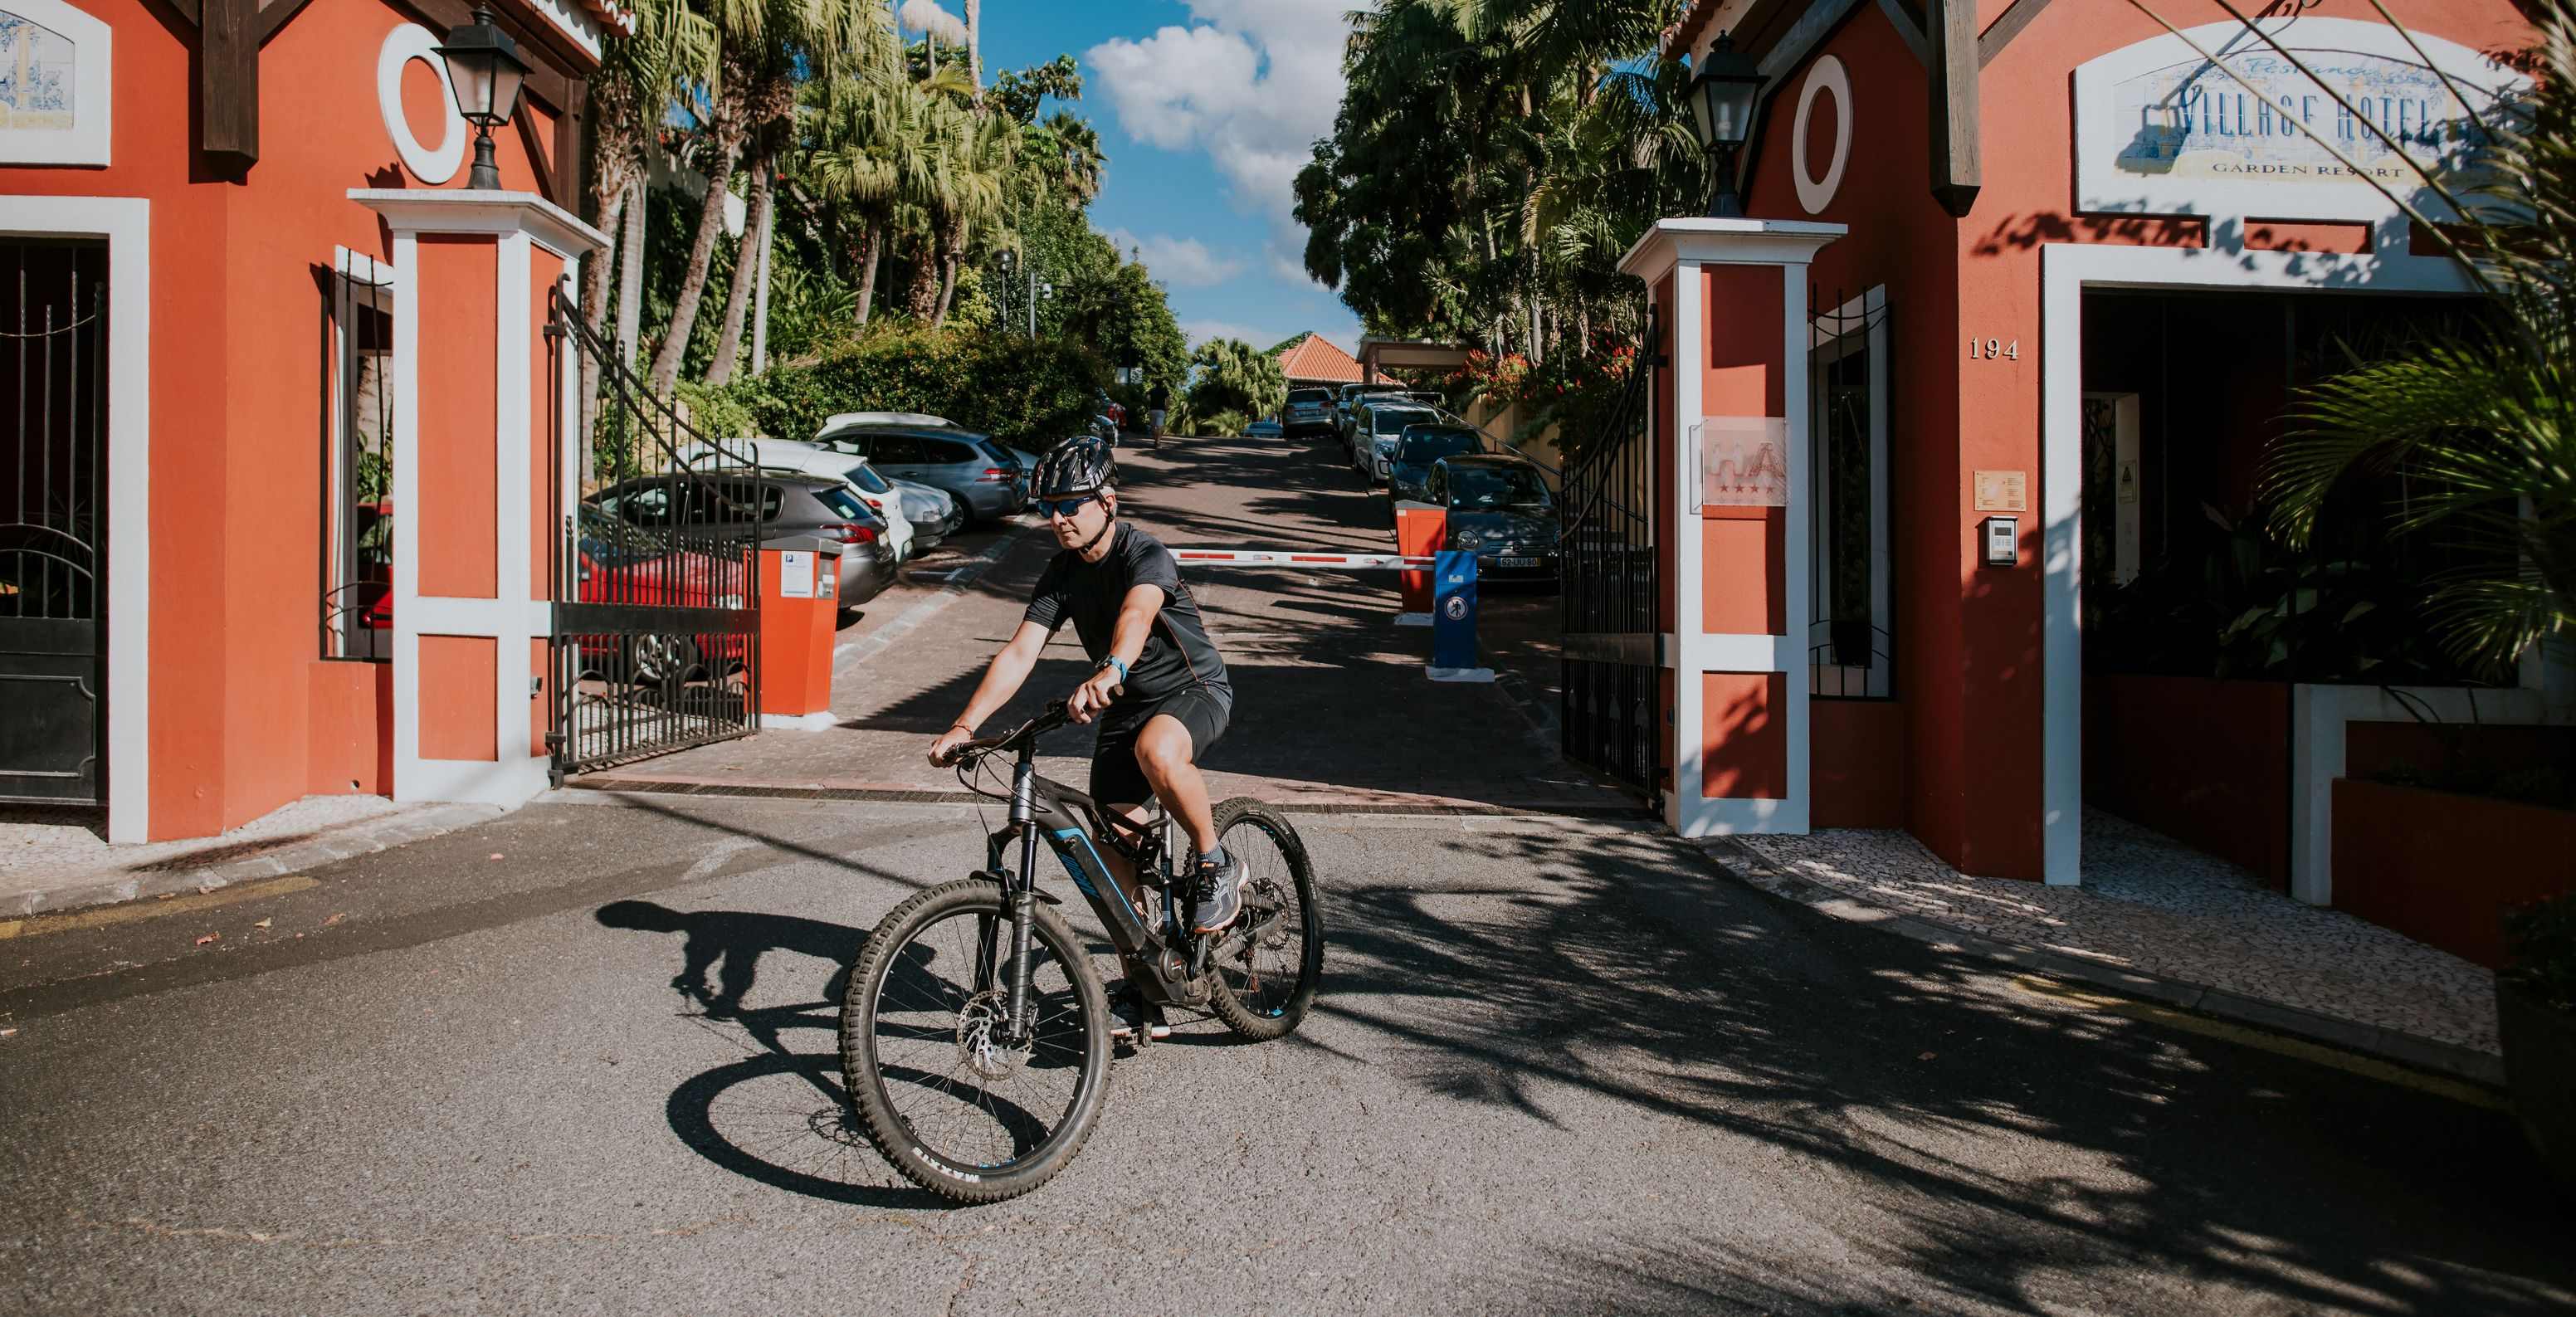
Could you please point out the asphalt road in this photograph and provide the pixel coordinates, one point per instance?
(1561, 1065)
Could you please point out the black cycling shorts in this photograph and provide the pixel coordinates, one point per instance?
(1116, 777)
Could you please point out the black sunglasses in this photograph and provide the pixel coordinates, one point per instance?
(1062, 507)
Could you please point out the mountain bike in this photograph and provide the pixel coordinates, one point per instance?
(975, 1030)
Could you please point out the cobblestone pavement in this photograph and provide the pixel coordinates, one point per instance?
(2154, 906)
(1331, 707)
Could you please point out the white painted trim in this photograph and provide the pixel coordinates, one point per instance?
(1690, 352)
(2101, 132)
(1825, 75)
(801, 722)
(1720, 651)
(465, 210)
(430, 164)
(355, 270)
(1870, 309)
(512, 368)
(126, 224)
(2319, 720)
(480, 781)
(411, 612)
(2066, 270)
(92, 134)
(1726, 242)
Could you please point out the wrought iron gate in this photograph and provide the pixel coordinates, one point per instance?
(53, 375)
(656, 638)
(1610, 715)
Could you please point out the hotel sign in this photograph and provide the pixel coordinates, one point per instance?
(2161, 130)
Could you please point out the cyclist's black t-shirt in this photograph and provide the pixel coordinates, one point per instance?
(1178, 653)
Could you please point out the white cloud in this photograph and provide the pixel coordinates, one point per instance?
(927, 16)
(1252, 82)
(1181, 262)
(1287, 267)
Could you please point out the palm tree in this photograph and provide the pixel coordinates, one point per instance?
(982, 155)
(874, 153)
(765, 46)
(1229, 374)
(2476, 418)
(2481, 419)
(670, 49)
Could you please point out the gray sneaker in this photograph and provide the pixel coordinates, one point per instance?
(1216, 893)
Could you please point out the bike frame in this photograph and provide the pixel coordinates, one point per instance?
(1044, 808)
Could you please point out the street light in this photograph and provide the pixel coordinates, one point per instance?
(1723, 91)
(484, 67)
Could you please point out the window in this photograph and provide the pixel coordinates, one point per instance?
(357, 532)
(843, 504)
(1497, 487)
(865, 477)
(1423, 444)
(1317, 396)
(893, 449)
(944, 452)
(1850, 639)
(1392, 420)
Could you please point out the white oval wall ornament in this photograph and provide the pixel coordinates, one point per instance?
(431, 165)
(1827, 75)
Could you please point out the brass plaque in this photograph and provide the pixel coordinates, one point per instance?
(2003, 491)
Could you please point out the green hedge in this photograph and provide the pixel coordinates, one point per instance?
(1025, 393)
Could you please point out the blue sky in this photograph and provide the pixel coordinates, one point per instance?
(1206, 109)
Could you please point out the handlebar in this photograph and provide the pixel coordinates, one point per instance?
(1053, 718)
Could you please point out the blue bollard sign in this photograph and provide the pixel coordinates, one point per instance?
(1453, 610)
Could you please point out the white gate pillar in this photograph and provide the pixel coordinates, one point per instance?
(473, 413)
(1738, 560)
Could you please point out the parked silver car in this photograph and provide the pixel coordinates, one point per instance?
(967, 466)
(1377, 425)
(934, 515)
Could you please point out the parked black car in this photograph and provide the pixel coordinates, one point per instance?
(785, 506)
(1500, 510)
(1417, 449)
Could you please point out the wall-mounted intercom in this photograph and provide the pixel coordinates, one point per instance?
(2002, 541)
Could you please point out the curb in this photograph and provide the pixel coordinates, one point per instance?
(2482, 1068)
(154, 878)
(893, 794)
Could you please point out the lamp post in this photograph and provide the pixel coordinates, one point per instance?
(1723, 91)
(484, 67)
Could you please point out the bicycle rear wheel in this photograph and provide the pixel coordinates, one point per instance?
(1265, 974)
(941, 1090)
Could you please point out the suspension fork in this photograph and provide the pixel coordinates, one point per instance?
(1020, 896)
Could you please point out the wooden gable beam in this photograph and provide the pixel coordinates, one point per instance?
(2005, 28)
(228, 81)
(275, 14)
(1957, 171)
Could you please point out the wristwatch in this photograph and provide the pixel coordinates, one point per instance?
(1112, 662)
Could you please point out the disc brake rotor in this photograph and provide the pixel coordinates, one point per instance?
(980, 1045)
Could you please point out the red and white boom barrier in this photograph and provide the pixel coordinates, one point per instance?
(1299, 558)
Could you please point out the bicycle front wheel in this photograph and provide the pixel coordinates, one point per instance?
(960, 1105)
(1267, 972)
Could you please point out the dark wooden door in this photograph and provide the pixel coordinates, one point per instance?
(53, 520)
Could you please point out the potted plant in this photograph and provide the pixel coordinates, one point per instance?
(2536, 1022)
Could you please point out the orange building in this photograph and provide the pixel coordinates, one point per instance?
(2023, 294)
(254, 308)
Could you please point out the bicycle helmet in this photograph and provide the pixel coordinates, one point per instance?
(1079, 465)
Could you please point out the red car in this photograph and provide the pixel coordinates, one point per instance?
(619, 564)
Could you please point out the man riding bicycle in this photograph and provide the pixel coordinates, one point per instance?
(1159, 689)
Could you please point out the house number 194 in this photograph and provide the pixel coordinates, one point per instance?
(1988, 349)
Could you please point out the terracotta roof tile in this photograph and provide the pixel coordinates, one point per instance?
(1315, 358)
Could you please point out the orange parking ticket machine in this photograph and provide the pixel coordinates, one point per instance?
(800, 609)
(1421, 530)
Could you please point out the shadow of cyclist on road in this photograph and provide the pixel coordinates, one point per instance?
(731, 943)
